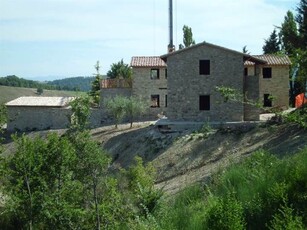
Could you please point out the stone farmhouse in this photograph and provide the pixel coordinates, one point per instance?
(181, 84)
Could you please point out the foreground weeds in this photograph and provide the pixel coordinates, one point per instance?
(262, 192)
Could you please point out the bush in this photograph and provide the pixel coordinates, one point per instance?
(286, 220)
(299, 117)
(227, 213)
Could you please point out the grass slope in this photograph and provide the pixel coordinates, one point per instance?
(8, 93)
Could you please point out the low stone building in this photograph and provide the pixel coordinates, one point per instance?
(38, 113)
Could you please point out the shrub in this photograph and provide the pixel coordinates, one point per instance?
(285, 219)
(227, 213)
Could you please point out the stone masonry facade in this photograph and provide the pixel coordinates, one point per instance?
(276, 86)
(150, 89)
(186, 85)
(37, 118)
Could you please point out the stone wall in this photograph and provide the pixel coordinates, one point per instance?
(277, 86)
(251, 89)
(43, 118)
(185, 84)
(143, 86)
(37, 118)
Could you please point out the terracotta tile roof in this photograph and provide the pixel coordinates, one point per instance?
(271, 59)
(147, 62)
(41, 101)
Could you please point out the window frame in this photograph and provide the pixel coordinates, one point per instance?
(152, 98)
(204, 103)
(204, 67)
(245, 71)
(267, 72)
(157, 75)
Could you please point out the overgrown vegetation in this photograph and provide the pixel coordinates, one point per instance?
(262, 192)
(299, 117)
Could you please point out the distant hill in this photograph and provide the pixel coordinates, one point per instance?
(15, 81)
(73, 83)
(8, 93)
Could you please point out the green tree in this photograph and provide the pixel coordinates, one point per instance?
(271, 45)
(39, 91)
(301, 79)
(301, 19)
(289, 34)
(81, 111)
(134, 107)
(142, 179)
(116, 107)
(95, 90)
(91, 169)
(187, 37)
(39, 186)
(120, 69)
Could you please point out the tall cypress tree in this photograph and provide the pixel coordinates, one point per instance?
(95, 91)
(289, 34)
(301, 19)
(271, 45)
(187, 37)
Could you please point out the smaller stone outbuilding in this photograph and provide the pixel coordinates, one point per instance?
(38, 113)
(273, 80)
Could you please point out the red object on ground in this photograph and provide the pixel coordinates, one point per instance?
(300, 100)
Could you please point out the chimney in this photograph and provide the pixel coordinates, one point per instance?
(171, 47)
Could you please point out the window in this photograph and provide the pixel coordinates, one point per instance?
(165, 100)
(154, 74)
(245, 72)
(204, 67)
(155, 101)
(267, 72)
(204, 102)
(267, 100)
(165, 73)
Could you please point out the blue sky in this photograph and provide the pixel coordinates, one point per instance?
(47, 39)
